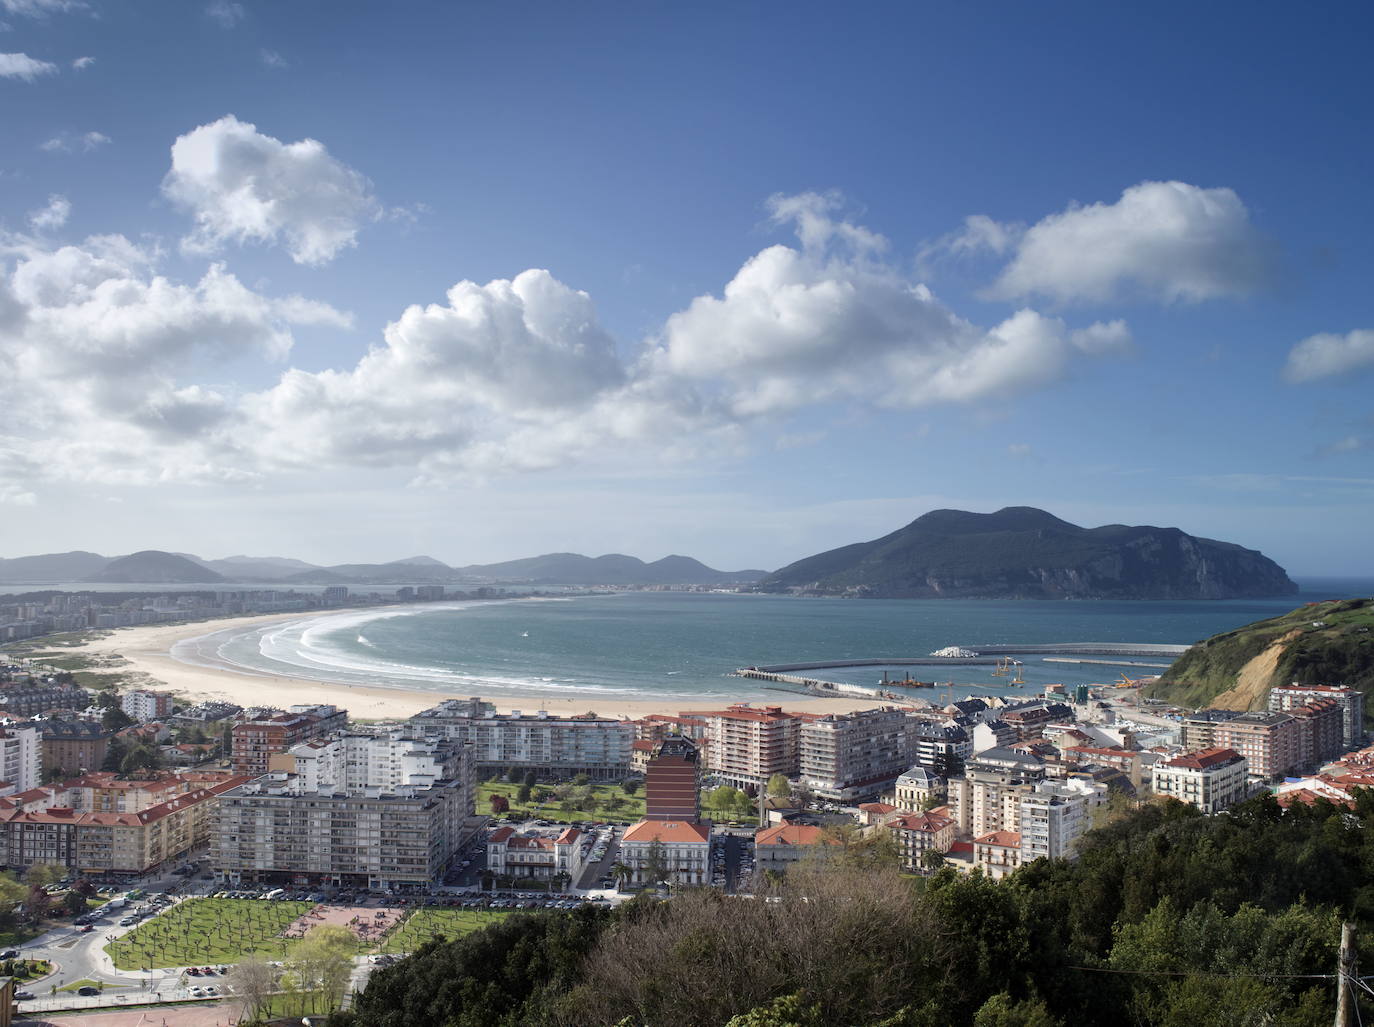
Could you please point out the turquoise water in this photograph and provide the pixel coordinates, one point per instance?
(656, 645)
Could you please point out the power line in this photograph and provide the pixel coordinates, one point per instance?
(1203, 973)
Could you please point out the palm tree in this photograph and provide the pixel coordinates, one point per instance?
(621, 873)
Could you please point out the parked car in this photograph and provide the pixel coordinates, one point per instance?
(87, 990)
(23, 996)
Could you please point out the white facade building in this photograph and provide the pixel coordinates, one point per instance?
(1212, 780)
(21, 759)
(1054, 814)
(144, 704)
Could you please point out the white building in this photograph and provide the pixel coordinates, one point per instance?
(1212, 780)
(144, 704)
(1054, 814)
(682, 849)
(547, 744)
(848, 756)
(541, 855)
(21, 759)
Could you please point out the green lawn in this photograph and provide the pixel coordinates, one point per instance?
(607, 803)
(208, 931)
(424, 924)
(300, 1003)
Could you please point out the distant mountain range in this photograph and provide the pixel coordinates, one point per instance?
(153, 566)
(1024, 553)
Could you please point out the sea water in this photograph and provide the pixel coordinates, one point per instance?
(681, 647)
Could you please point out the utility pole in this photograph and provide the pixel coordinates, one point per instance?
(1346, 1013)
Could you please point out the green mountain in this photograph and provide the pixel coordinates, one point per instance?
(152, 566)
(1328, 643)
(611, 569)
(1024, 553)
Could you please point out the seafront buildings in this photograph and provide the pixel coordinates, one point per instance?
(257, 739)
(848, 756)
(378, 812)
(747, 745)
(548, 745)
(1285, 697)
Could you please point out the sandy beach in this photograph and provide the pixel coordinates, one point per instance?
(148, 649)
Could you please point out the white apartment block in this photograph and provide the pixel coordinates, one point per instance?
(1212, 780)
(1053, 815)
(988, 796)
(381, 819)
(21, 759)
(143, 704)
(849, 756)
(548, 745)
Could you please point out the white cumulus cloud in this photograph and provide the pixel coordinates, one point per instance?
(22, 66)
(1327, 354)
(65, 142)
(54, 215)
(40, 8)
(82, 63)
(243, 186)
(832, 321)
(1162, 240)
(224, 13)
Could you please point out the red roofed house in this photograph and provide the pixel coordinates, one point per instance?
(536, 854)
(877, 812)
(641, 751)
(997, 853)
(1212, 779)
(919, 833)
(682, 850)
(776, 848)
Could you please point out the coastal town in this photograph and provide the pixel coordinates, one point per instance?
(108, 787)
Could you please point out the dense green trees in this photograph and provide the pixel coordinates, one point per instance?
(1168, 919)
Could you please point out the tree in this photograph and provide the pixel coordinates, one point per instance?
(629, 786)
(656, 863)
(84, 887)
(75, 903)
(140, 758)
(12, 893)
(525, 792)
(115, 719)
(932, 860)
(779, 787)
(531, 779)
(620, 873)
(37, 903)
(499, 804)
(323, 961)
(115, 752)
(253, 980)
(41, 875)
(581, 780)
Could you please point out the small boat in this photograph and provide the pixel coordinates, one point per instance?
(524, 634)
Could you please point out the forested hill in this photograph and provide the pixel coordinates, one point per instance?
(1024, 553)
(1329, 643)
(1169, 918)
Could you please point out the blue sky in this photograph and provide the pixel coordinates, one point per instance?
(743, 281)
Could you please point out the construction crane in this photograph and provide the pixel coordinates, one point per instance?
(1017, 678)
(1003, 668)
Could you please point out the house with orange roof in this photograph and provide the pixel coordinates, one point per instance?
(777, 848)
(680, 850)
(919, 833)
(1211, 779)
(536, 854)
(997, 853)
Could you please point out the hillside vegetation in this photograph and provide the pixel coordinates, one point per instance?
(1024, 553)
(1168, 919)
(1329, 643)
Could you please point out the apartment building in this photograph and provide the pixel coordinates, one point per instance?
(682, 850)
(21, 758)
(257, 739)
(997, 853)
(849, 756)
(1127, 761)
(987, 797)
(99, 840)
(1199, 730)
(1351, 702)
(941, 748)
(777, 848)
(1029, 720)
(33, 697)
(538, 855)
(549, 745)
(395, 824)
(1268, 741)
(1319, 731)
(143, 704)
(1212, 779)
(917, 787)
(73, 746)
(672, 781)
(919, 833)
(1053, 815)
(747, 745)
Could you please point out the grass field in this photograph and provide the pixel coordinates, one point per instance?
(201, 931)
(424, 924)
(607, 803)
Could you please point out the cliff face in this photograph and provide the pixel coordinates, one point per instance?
(1024, 553)
(1320, 644)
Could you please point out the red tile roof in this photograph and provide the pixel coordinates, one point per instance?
(928, 822)
(1204, 759)
(788, 833)
(675, 831)
(1000, 839)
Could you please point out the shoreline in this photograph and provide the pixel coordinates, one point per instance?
(147, 649)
